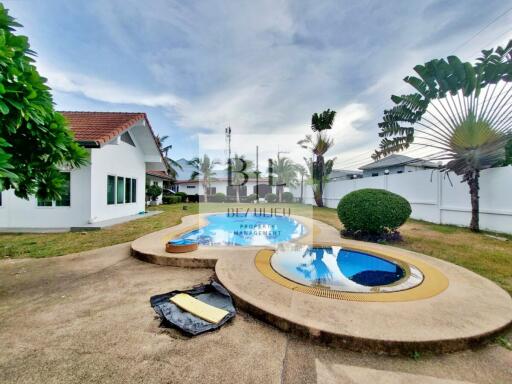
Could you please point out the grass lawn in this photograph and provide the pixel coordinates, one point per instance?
(486, 256)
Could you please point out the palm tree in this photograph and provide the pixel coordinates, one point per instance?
(237, 178)
(303, 172)
(171, 165)
(462, 111)
(316, 177)
(322, 121)
(318, 145)
(204, 168)
(286, 171)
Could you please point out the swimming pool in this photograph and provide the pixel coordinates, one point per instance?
(244, 230)
(341, 269)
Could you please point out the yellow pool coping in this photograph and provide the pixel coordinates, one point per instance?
(434, 282)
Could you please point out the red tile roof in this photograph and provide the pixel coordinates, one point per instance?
(101, 127)
(159, 174)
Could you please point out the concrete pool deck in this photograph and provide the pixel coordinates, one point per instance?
(466, 313)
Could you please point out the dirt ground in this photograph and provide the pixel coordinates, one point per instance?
(86, 318)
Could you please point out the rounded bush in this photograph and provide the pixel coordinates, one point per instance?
(271, 197)
(182, 194)
(251, 198)
(287, 197)
(373, 211)
(219, 197)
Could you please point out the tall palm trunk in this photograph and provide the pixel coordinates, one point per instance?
(319, 196)
(472, 178)
(238, 193)
(301, 188)
(205, 188)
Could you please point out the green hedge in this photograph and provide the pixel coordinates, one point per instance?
(251, 198)
(287, 197)
(171, 199)
(373, 211)
(219, 197)
(183, 195)
(271, 197)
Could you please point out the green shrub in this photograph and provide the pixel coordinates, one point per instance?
(271, 197)
(171, 199)
(373, 211)
(251, 198)
(287, 197)
(219, 197)
(153, 191)
(182, 194)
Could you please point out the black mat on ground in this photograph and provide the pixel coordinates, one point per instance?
(171, 315)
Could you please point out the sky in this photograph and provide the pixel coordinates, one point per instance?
(261, 67)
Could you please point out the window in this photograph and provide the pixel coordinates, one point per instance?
(191, 186)
(127, 139)
(399, 171)
(128, 190)
(375, 174)
(134, 190)
(111, 189)
(120, 190)
(65, 198)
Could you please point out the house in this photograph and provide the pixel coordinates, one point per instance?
(344, 174)
(218, 183)
(396, 164)
(121, 148)
(160, 178)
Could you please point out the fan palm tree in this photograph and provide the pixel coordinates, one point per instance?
(462, 111)
(204, 168)
(317, 178)
(286, 172)
(322, 121)
(240, 166)
(318, 144)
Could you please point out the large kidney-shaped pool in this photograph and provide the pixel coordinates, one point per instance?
(244, 230)
(342, 269)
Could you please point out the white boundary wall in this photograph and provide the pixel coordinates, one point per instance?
(433, 198)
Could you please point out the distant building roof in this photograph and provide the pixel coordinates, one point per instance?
(160, 174)
(343, 173)
(100, 127)
(396, 160)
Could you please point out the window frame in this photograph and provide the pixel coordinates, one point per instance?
(115, 189)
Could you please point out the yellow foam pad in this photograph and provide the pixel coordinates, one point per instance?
(198, 308)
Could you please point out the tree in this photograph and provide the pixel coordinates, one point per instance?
(35, 142)
(322, 121)
(239, 164)
(171, 165)
(319, 145)
(317, 177)
(303, 172)
(204, 168)
(460, 110)
(286, 172)
(153, 191)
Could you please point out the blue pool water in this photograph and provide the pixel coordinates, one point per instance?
(245, 230)
(342, 269)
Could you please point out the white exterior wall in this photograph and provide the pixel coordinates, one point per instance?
(433, 198)
(116, 159)
(21, 213)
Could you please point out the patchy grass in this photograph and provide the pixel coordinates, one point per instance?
(482, 254)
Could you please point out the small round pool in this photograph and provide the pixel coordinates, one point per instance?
(343, 269)
(245, 230)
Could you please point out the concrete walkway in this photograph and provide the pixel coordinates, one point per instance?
(86, 318)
